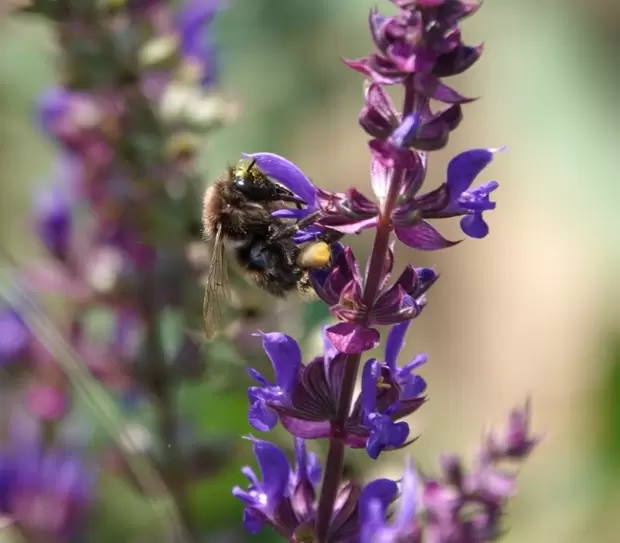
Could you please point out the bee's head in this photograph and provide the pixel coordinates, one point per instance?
(254, 185)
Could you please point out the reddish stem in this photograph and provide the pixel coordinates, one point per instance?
(376, 265)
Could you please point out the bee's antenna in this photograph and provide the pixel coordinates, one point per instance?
(252, 164)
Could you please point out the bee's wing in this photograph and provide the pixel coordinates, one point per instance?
(216, 290)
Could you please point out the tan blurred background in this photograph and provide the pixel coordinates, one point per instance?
(532, 309)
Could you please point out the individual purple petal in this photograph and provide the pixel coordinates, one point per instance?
(474, 226)
(285, 355)
(517, 441)
(432, 87)
(380, 178)
(285, 172)
(395, 342)
(393, 156)
(194, 15)
(257, 376)
(352, 338)
(354, 226)
(312, 233)
(252, 523)
(423, 236)
(14, 335)
(378, 117)
(406, 512)
(457, 61)
(329, 351)
(306, 429)
(407, 131)
(385, 434)
(370, 375)
(464, 168)
(382, 491)
(261, 416)
(274, 468)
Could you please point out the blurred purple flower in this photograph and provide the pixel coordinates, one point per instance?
(53, 220)
(15, 337)
(487, 487)
(197, 47)
(46, 491)
(374, 502)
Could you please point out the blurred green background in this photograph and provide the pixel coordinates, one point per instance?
(533, 309)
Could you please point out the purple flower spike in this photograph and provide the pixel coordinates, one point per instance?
(352, 338)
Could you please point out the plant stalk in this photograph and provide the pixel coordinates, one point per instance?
(335, 455)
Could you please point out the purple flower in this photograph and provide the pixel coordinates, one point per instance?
(486, 488)
(341, 288)
(424, 130)
(411, 385)
(385, 432)
(453, 198)
(82, 123)
(285, 497)
(15, 337)
(374, 502)
(305, 398)
(46, 491)
(197, 48)
(53, 221)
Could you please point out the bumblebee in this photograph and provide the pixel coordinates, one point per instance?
(237, 214)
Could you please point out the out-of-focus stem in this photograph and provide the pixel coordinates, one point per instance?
(162, 390)
(376, 264)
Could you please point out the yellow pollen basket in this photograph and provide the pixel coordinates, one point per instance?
(314, 255)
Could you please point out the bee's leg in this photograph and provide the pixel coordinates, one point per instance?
(331, 236)
(289, 230)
